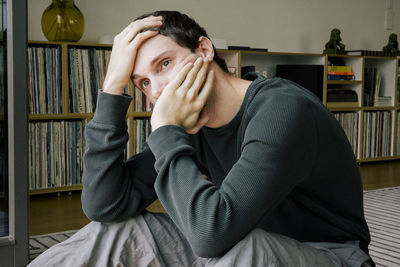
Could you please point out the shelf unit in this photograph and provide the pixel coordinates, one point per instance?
(265, 63)
(66, 113)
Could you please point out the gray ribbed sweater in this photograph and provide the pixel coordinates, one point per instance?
(282, 164)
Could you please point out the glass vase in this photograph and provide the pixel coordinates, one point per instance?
(63, 21)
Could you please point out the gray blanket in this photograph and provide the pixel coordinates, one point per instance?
(152, 239)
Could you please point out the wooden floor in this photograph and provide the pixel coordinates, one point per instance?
(51, 213)
(380, 174)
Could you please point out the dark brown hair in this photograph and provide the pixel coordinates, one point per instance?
(184, 31)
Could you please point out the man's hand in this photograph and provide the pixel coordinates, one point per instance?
(184, 98)
(124, 51)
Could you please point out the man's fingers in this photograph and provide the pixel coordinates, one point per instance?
(179, 78)
(199, 81)
(130, 26)
(133, 29)
(205, 92)
(191, 77)
(141, 37)
(200, 123)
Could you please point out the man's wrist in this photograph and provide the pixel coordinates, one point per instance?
(111, 109)
(114, 91)
(156, 125)
(167, 138)
(113, 87)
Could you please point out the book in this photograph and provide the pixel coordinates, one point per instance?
(377, 87)
(372, 53)
(349, 122)
(87, 71)
(235, 47)
(141, 102)
(370, 85)
(377, 134)
(339, 69)
(397, 149)
(142, 129)
(334, 77)
(340, 73)
(247, 48)
(44, 81)
(383, 101)
(55, 150)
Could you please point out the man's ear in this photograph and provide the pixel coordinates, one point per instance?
(206, 48)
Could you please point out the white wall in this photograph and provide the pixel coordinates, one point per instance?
(279, 25)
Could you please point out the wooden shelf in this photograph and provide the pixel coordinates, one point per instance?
(344, 109)
(378, 108)
(63, 116)
(55, 190)
(350, 82)
(343, 56)
(378, 159)
(141, 114)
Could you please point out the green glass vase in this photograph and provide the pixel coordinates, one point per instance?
(63, 21)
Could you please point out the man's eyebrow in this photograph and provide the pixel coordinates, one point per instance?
(158, 57)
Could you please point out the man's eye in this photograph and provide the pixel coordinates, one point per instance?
(145, 84)
(165, 63)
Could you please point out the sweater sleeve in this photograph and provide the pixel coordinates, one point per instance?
(276, 154)
(114, 189)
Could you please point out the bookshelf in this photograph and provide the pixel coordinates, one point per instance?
(80, 69)
(357, 118)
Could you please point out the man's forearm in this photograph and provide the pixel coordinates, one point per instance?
(112, 189)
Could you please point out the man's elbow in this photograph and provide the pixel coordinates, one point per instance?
(209, 248)
(96, 212)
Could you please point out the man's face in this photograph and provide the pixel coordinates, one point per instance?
(158, 61)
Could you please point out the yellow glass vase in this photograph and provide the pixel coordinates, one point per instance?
(63, 21)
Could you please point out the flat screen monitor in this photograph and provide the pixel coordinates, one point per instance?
(310, 77)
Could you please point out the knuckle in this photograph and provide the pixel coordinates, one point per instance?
(139, 36)
(180, 93)
(198, 105)
(190, 96)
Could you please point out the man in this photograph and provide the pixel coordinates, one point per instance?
(251, 172)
